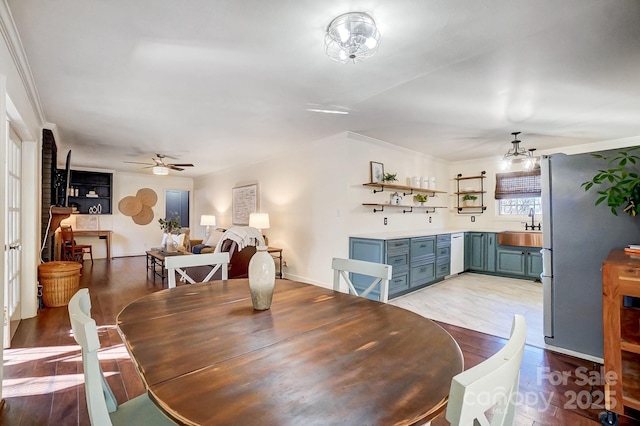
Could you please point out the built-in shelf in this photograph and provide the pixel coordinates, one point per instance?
(90, 192)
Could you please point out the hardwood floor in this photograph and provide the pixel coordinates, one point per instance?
(43, 383)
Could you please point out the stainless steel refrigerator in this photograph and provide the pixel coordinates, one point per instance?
(577, 237)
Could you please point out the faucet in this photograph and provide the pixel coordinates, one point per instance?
(533, 225)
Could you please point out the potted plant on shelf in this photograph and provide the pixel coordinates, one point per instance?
(169, 226)
(468, 200)
(420, 199)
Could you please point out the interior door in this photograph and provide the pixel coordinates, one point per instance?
(12, 236)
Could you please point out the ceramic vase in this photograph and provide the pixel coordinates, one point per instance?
(262, 278)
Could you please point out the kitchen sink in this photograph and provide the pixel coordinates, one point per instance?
(520, 238)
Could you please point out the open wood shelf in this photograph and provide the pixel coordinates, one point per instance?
(391, 186)
(469, 177)
(429, 209)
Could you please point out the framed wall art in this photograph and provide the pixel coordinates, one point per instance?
(377, 172)
(87, 223)
(244, 202)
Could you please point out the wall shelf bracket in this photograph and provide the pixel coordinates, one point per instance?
(407, 211)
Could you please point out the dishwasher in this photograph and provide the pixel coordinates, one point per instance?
(457, 253)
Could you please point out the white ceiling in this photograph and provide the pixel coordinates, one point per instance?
(222, 83)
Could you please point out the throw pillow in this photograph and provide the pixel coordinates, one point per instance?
(213, 238)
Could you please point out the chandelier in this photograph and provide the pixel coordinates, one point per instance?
(352, 37)
(518, 155)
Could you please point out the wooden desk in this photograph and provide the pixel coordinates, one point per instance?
(316, 357)
(106, 233)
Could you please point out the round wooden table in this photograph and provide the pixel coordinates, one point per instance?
(316, 357)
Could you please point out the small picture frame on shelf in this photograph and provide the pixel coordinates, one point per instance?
(377, 172)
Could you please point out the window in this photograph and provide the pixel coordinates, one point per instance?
(518, 192)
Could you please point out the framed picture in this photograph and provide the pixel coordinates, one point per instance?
(87, 223)
(377, 172)
(244, 202)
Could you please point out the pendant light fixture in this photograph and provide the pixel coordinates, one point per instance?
(352, 37)
(518, 154)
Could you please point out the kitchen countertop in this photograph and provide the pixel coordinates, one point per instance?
(393, 235)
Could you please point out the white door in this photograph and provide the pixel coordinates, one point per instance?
(12, 236)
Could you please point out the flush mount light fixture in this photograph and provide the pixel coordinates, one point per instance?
(160, 170)
(518, 154)
(352, 37)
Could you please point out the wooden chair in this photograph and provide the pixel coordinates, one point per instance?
(101, 404)
(490, 385)
(380, 272)
(72, 251)
(179, 264)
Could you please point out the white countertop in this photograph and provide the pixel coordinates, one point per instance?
(393, 235)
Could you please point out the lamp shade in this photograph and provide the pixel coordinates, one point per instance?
(259, 220)
(160, 170)
(207, 220)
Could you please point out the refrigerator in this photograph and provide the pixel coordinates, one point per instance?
(577, 237)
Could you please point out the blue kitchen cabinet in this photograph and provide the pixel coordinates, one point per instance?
(525, 262)
(392, 252)
(482, 253)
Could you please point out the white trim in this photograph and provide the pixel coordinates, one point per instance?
(14, 45)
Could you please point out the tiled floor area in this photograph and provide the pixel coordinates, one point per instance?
(482, 303)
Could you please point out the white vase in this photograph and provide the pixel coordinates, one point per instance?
(262, 278)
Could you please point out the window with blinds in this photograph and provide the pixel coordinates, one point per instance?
(518, 193)
(518, 185)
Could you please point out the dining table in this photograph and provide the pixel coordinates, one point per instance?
(316, 357)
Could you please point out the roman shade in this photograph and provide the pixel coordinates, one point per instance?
(518, 184)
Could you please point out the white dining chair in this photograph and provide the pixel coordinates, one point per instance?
(180, 263)
(490, 385)
(101, 404)
(379, 272)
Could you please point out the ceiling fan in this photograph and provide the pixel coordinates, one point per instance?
(159, 162)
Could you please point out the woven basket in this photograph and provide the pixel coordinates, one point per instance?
(60, 280)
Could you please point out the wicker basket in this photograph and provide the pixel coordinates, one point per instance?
(60, 280)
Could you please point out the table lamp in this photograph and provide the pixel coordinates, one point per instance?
(259, 221)
(208, 220)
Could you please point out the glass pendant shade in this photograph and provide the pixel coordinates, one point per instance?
(161, 171)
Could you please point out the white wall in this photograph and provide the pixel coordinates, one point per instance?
(314, 198)
(129, 238)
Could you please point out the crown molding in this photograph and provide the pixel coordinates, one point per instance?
(14, 45)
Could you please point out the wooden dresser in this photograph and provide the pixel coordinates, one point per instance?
(620, 278)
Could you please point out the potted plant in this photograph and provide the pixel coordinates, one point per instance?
(169, 226)
(419, 199)
(390, 177)
(621, 181)
(469, 200)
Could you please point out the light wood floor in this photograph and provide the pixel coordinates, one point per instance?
(481, 303)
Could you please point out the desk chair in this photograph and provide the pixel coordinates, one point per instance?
(380, 273)
(72, 251)
(179, 263)
(101, 404)
(492, 384)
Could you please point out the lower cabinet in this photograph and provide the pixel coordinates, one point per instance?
(417, 262)
(519, 261)
(482, 251)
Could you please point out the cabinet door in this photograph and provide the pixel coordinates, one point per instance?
(510, 261)
(534, 263)
(467, 251)
(477, 256)
(492, 242)
(366, 249)
(398, 284)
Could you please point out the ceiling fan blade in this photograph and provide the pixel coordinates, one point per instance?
(172, 167)
(134, 162)
(180, 165)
